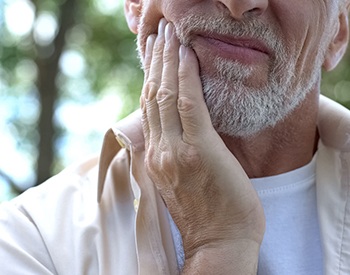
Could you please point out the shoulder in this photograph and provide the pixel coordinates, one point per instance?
(39, 227)
(68, 196)
(79, 178)
(334, 124)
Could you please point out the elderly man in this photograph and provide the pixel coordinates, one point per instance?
(233, 165)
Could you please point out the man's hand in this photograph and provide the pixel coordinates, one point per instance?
(207, 192)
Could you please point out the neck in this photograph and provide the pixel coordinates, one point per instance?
(287, 146)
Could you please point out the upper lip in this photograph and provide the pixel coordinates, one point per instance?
(245, 42)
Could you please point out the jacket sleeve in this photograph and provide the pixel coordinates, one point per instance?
(22, 250)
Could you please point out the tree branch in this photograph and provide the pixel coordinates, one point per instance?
(10, 181)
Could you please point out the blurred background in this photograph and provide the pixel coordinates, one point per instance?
(68, 71)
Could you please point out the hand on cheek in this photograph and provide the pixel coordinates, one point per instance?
(195, 173)
(172, 98)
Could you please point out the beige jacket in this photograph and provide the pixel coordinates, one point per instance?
(61, 228)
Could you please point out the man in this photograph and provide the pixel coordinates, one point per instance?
(234, 165)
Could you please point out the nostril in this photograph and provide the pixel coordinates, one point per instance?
(221, 6)
(239, 9)
(254, 11)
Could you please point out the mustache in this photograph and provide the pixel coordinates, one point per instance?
(188, 27)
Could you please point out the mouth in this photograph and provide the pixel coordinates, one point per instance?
(244, 50)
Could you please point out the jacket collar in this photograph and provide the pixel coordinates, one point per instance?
(125, 134)
(333, 125)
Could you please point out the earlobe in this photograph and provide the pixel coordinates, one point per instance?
(338, 45)
(132, 9)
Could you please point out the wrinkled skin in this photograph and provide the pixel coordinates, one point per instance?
(203, 177)
(205, 188)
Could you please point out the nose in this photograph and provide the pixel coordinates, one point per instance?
(240, 9)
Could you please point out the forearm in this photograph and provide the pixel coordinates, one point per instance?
(237, 258)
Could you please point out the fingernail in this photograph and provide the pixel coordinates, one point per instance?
(168, 32)
(161, 26)
(183, 52)
(149, 44)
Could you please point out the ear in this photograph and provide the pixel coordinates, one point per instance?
(132, 9)
(339, 43)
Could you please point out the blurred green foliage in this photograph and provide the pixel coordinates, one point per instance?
(336, 84)
(94, 29)
(98, 32)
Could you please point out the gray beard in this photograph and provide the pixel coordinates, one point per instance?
(236, 108)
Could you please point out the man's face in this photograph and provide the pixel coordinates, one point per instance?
(257, 62)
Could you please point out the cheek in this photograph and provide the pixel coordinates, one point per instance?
(148, 24)
(304, 25)
(313, 46)
(150, 15)
(154, 10)
(175, 10)
(303, 37)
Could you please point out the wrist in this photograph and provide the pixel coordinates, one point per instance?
(233, 257)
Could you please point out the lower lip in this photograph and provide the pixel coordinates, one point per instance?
(244, 55)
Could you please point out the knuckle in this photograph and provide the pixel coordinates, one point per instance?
(186, 105)
(165, 95)
(151, 88)
(167, 162)
(192, 161)
(190, 157)
(152, 83)
(160, 161)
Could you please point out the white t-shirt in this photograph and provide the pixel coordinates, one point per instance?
(291, 242)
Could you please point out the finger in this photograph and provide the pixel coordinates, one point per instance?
(168, 93)
(193, 111)
(146, 66)
(144, 121)
(148, 55)
(153, 83)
